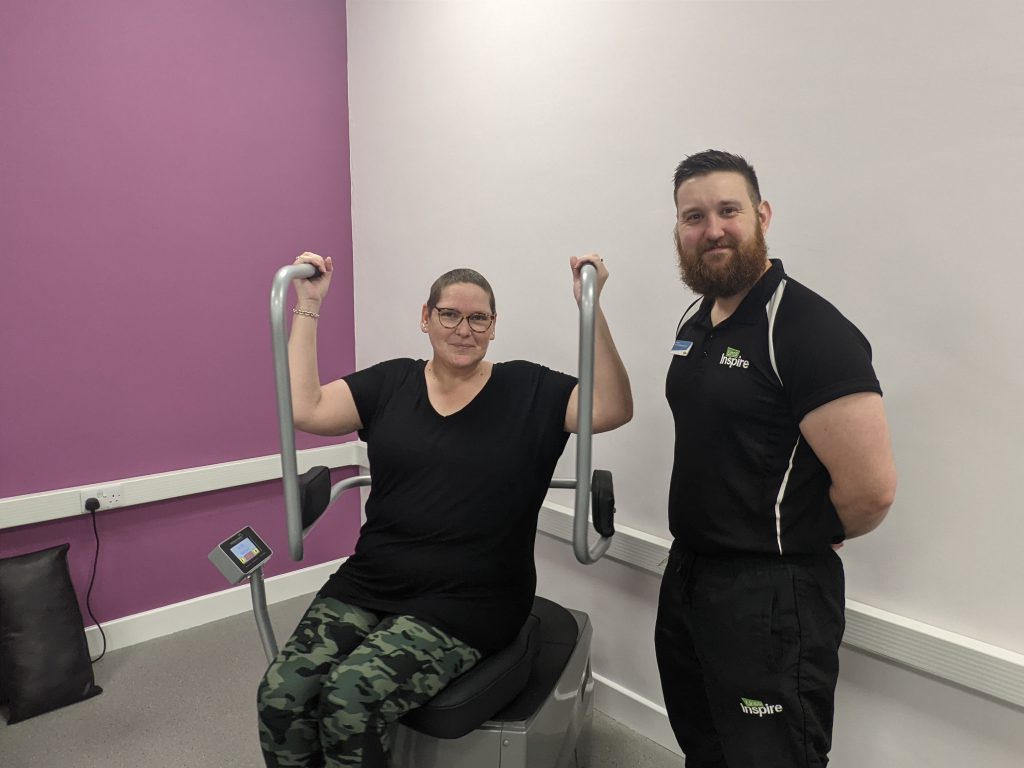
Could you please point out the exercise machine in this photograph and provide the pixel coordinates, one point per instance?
(529, 705)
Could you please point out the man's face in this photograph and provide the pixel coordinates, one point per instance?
(720, 234)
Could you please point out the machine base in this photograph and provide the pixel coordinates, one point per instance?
(557, 735)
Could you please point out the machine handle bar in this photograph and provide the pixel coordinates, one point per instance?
(286, 422)
(585, 422)
(285, 417)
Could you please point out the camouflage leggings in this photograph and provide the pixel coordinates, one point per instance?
(345, 676)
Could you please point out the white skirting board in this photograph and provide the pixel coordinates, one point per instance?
(967, 662)
(635, 712)
(630, 709)
(188, 614)
(978, 666)
(992, 670)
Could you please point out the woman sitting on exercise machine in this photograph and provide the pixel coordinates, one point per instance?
(462, 452)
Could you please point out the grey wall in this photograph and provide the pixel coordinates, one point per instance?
(889, 139)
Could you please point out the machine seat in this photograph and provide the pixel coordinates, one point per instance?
(509, 685)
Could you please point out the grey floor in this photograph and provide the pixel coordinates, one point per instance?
(160, 708)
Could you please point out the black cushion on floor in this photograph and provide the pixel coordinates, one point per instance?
(508, 685)
(44, 657)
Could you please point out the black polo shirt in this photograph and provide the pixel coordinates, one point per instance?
(743, 478)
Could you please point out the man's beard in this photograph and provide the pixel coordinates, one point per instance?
(736, 274)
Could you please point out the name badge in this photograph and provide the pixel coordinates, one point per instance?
(682, 347)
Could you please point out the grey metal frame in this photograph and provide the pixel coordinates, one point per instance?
(585, 425)
(285, 417)
(555, 736)
(260, 611)
(585, 414)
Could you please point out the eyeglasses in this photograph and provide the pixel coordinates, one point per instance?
(452, 319)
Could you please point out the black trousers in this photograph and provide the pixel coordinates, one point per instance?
(748, 652)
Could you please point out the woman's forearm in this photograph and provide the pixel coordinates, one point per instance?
(302, 362)
(613, 397)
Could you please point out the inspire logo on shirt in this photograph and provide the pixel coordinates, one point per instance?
(732, 359)
(759, 708)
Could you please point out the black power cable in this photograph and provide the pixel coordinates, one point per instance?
(92, 504)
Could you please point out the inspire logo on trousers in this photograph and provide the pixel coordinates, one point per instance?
(732, 359)
(759, 708)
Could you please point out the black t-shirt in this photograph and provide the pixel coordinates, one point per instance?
(743, 479)
(452, 512)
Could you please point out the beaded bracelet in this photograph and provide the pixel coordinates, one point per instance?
(314, 315)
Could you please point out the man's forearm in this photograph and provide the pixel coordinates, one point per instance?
(862, 513)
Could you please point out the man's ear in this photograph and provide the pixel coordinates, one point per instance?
(764, 214)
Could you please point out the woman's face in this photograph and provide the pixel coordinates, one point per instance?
(459, 347)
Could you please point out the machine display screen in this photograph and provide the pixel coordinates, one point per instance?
(245, 550)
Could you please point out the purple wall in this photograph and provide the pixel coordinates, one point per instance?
(158, 162)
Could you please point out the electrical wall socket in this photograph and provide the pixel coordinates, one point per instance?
(109, 496)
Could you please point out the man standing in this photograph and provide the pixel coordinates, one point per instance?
(782, 451)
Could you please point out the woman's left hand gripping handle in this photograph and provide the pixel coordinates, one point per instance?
(310, 292)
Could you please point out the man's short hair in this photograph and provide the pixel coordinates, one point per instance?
(711, 161)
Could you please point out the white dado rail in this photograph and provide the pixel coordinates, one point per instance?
(67, 502)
